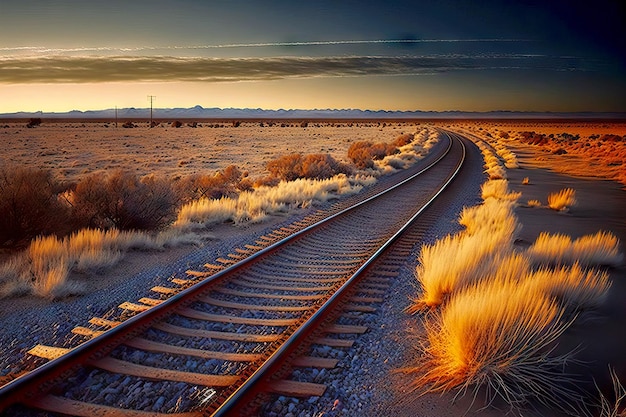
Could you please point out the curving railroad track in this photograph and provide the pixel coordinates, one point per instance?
(210, 343)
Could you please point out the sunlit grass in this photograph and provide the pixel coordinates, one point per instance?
(254, 206)
(498, 189)
(562, 200)
(494, 313)
(499, 336)
(601, 248)
(44, 268)
(456, 261)
(575, 288)
(493, 217)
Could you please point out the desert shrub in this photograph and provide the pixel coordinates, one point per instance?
(128, 125)
(313, 166)
(224, 183)
(29, 204)
(123, 201)
(499, 337)
(176, 124)
(562, 200)
(363, 154)
(32, 122)
(287, 167)
(403, 139)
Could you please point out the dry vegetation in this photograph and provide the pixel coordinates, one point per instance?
(494, 315)
(599, 147)
(87, 223)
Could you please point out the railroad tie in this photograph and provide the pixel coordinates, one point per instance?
(133, 307)
(142, 371)
(48, 352)
(87, 332)
(164, 290)
(56, 404)
(296, 388)
(98, 321)
(198, 274)
(185, 282)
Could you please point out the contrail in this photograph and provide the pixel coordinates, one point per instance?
(48, 50)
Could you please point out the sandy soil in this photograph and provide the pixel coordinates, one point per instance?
(73, 150)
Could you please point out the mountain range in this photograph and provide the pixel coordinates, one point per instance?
(199, 112)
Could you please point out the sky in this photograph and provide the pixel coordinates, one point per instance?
(482, 55)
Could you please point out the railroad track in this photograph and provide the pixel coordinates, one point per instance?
(208, 344)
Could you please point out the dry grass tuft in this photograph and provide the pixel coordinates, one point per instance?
(526, 181)
(498, 189)
(254, 206)
(533, 203)
(615, 407)
(499, 336)
(562, 200)
(493, 217)
(601, 248)
(574, 288)
(493, 321)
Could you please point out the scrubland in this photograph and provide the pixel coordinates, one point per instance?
(494, 312)
(589, 149)
(85, 222)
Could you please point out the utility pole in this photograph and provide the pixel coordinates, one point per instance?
(151, 98)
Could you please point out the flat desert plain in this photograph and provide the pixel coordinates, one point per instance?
(71, 150)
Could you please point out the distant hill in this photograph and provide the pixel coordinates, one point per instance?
(199, 112)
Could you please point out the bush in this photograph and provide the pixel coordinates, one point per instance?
(562, 200)
(176, 124)
(29, 204)
(123, 201)
(363, 154)
(313, 166)
(33, 122)
(225, 183)
(403, 139)
(498, 336)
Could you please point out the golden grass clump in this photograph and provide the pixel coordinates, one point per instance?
(494, 217)
(575, 288)
(500, 336)
(493, 320)
(525, 181)
(562, 200)
(533, 203)
(253, 206)
(440, 278)
(498, 189)
(601, 248)
(49, 265)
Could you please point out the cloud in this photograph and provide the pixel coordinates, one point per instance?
(63, 69)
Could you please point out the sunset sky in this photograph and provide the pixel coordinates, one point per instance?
(393, 55)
